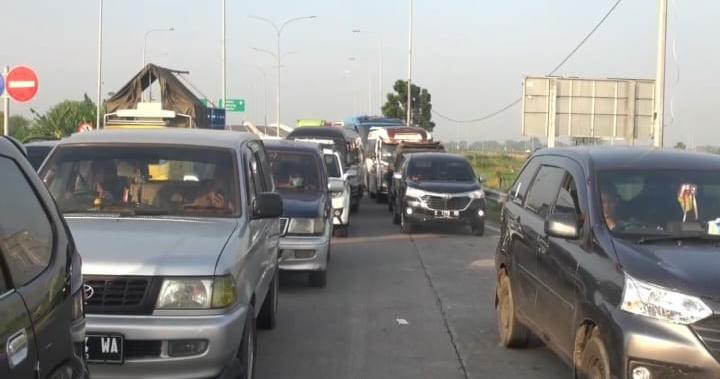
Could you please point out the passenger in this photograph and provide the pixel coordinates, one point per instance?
(296, 180)
(104, 181)
(212, 194)
(610, 200)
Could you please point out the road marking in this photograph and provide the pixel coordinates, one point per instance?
(22, 84)
(402, 321)
(493, 228)
(483, 263)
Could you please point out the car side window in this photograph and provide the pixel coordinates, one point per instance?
(250, 184)
(544, 190)
(567, 201)
(266, 171)
(523, 181)
(26, 234)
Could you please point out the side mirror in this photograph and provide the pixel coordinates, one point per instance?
(562, 225)
(268, 205)
(482, 179)
(351, 173)
(397, 176)
(335, 186)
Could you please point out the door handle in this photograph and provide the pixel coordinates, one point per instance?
(17, 348)
(543, 245)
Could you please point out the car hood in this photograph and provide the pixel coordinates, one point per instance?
(302, 204)
(690, 268)
(150, 246)
(444, 187)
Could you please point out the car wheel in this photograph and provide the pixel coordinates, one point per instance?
(512, 332)
(268, 313)
(594, 362)
(379, 198)
(478, 228)
(317, 278)
(248, 347)
(354, 207)
(396, 216)
(390, 202)
(405, 225)
(342, 231)
(372, 194)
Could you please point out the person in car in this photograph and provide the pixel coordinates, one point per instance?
(610, 199)
(212, 194)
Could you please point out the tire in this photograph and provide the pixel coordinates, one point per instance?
(379, 198)
(342, 232)
(355, 207)
(268, 313)
(512, 333)
(594, 361)
(317, 278)
(248, 346)
(396, 217)
(478, 228)
(372, 194)
(405, 225)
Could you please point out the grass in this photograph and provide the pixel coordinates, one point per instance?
(498, 169)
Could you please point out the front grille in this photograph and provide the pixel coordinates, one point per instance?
(450, 204)
(123, 295)
(283, 226)
(708, 331)
(138, 349)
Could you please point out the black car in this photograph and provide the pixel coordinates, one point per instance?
(403, 150)
(42, 322)
(38, 150)
(611, 257)
(438, 188)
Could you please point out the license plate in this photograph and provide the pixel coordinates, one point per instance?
(104, 348)
(446, 214)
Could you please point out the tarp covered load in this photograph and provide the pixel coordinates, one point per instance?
(174, 95)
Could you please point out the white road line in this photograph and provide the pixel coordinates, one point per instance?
(493, 228)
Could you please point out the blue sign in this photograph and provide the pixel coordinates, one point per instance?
(216, 118)
(2, 85)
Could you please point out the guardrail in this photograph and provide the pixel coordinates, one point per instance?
(495, 195)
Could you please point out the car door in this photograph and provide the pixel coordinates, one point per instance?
(557, 264)
(18, 355)
(537, 207)
(514, 238)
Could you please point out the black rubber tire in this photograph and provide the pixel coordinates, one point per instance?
(391, 204)
(355, 207)
(267, 319)
(380, 198)
(594, 360)
(513, 334)
(478, 228)
(405, 225)
(342, 231)
(396, 216)
(248, 347)
(317, 278)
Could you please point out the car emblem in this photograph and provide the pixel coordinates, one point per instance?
(446, 195)
(88, 291)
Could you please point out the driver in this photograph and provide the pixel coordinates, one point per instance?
(610, 200)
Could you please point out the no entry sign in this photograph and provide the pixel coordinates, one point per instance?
(21, 84)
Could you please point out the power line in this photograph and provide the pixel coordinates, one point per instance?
(554, 70)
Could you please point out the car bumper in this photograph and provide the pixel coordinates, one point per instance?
(222, 332)
(304, 253)
(416, 213)
(341, 204)
(666, 350)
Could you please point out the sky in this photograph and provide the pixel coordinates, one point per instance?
(470, 54)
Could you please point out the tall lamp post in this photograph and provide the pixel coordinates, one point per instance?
(99, 68)
(147, 34)
(264, 77)
(380, 66)
(409, 82)
(278, 57)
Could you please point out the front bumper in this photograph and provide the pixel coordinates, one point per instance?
(474, 213)
(222, 332)
(666, 350)
(304, 253)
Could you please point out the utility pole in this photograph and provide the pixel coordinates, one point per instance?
(99, 63)
(658, 122)
(224, 59)
(6, 105)
(409, 82)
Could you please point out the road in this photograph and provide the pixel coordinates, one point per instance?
(398, 306)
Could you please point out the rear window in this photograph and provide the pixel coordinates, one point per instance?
(333, 166)
(297, 172)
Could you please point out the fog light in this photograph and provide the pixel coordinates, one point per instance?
(481, 213)
(304, 254)
(409, 210)
(338, 212)
(641, 372)
(184, 348)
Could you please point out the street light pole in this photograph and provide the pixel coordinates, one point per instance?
(278, 32)
(147, 34)
(659, 119)
(99, 63)
(264, 76)
(224, 58)
(380, 68)
(409, 82)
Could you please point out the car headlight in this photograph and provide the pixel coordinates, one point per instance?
(197, 293)
(645, 299)
(479, 194)
(306, 226)
(414, 192)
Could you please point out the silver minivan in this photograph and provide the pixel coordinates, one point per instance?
(179, 230)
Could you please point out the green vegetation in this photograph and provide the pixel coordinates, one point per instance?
(59, 121)
(396, 105)
(498, 169)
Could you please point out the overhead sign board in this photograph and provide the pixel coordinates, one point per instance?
(233, 105)
(574, 107)
(21, 84)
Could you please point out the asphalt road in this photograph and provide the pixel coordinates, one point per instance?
(398, 306)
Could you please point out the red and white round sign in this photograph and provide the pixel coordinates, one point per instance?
(21, 84)
(84, 127)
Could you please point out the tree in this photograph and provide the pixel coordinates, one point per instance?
(396, 105)
(64, 118)
(680, 145)
(19, 126)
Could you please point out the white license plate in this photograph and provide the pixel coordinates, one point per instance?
(447, 214)
(104, 348)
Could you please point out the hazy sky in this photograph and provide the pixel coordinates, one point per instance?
(470, 54)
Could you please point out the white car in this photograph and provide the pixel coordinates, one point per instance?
(340, 200)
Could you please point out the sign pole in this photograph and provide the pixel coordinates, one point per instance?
(660, 75)
(6, 106)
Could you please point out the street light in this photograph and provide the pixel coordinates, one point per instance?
(380, 67)
(409, 82)
(99, 64)
(354, 59)
(264, 76)
(278, 58)
(147, 34)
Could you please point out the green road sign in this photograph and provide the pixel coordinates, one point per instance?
(234, 105)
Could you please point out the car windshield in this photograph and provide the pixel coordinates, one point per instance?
(294, 172)
(643, 203)
(440, 170)
(387, 151)
(143, 180)
(333, 166)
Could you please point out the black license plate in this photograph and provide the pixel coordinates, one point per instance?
(104, 348)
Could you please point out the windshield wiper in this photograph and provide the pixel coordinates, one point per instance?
(686, 237)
